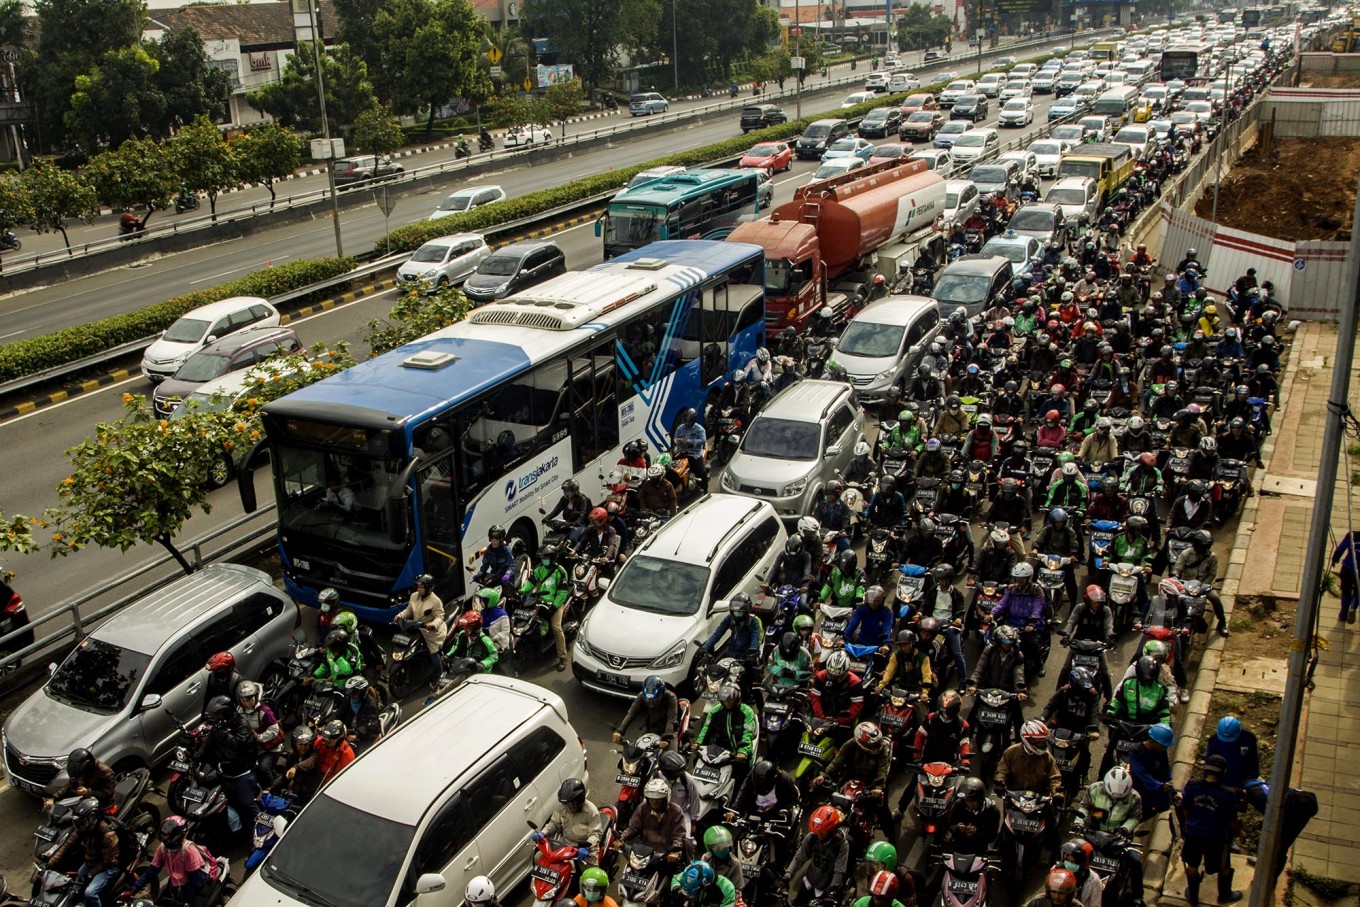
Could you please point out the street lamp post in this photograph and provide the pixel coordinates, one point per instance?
(325, 125)
(675, 46)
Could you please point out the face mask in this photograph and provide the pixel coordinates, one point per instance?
(721, 854)
(545, 562)
(1070, 867)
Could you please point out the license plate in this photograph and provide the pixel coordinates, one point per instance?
(777, 708)
(634, 880)
(933, 803)
(996, 716)
(1051, 577)
(46, 832)
(628, 780)
(177, 765)
(613, 680)
(1103, 863)
(194, 794)
(1178, 464)
(750, 870)
(810, 749)
(1025, 823)
(892, 721)
(706, 773)
(833, 626)
(858, 666)
(400, 641)
(546, 874)
(963, 885)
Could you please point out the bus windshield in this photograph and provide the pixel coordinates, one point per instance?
(632, 225)
(336, 496)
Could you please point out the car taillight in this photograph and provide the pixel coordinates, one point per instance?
(15, 605)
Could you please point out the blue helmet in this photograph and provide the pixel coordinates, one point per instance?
(1160, 733)
(696, 877)
(1229, 728)
(652, 688)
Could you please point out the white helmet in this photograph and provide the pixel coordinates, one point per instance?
(656, 471)
(1118, 782)
(862, 449)
(809, 524)
(657, 789)
(479, 891)
(1135, 423)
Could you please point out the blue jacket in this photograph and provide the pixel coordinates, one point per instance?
(1243, 756)
(1209, 810)
(745, 640)
(1229, 349)
(874, 626)
(497, 561)
(1151, 769)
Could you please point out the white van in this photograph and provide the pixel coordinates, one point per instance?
(447, 796)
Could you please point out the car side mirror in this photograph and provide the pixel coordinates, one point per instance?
(833, 451)
(51, 668)
(211, 339)
(430, 882)
(719, 607)
(150, 702)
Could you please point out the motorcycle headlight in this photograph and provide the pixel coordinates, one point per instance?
(795, 487)
(674, 658)
(728, 482)
(636, 862)
(749, 846)
(936, 780)
(630, 768)
(397, 655)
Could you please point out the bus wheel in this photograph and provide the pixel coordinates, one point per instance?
(522, 539)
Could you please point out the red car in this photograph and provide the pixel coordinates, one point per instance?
(921, 101)
(772, 157)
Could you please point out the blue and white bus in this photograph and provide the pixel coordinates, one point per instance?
(478, 424)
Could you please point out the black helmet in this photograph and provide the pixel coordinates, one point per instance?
(763, 773)
(571, 791)
(887, 485)
(496, 532)
(671, 762)
(740, 605)
(172, 833)
(847, 561)
(1202, 540)
(906, 637)
(218, 707)
(1147, 669)
(333, 731)
(1196, 488)
(79, 762)
(85, 814)
(972, 789)
(794, 546)
(789, 644)
(570, 486)
(1011, 387)
(337, 638)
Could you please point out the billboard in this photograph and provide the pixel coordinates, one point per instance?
(551, 75)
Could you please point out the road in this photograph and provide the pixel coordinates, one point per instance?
(45, 309)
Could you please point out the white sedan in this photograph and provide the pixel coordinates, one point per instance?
(1016, 112)
(524, 136)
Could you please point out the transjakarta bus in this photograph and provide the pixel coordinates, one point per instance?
(679, 206)
(1187, 62)
(478, 424)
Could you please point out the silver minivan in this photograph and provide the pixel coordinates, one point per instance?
(448, 796)
(885, 341)
(121, 690)
(796, 445)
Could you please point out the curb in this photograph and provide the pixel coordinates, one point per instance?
(41, 401)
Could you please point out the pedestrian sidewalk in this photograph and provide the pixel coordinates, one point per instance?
(1264, 569)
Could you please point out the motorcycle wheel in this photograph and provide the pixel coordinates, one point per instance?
(400, 680)
(14, 246)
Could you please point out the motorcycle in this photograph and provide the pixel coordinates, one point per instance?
(937, 783)
(780, 709)
(1230, 485)
(777, 610)
(1125, 588)
(877, 557)
(462, 150)
(13, 619)
(1052, 578)
(761, 844)
(712, 675)
(858, 805)
(1177, 541)
(554, 869)
(815, 750)
(833, 622)
(926, 498)
(531, 633)
(896, 460)
(986, 596)
(1109, 864)
(1071, 750)
(637, 762)
(197, 793)
(728, 437)
(642, 882)
(1177, 471)
(911, 586)
(9, 241)
(128, 808)
(270, 822)
(899, 718)
(1026, 815)
(818, 353)
(965, 880)
(712, 774)
(486, 143)
(186, 202)
(284, 686)
(1124, 737)
(408, 663)
(992, 723)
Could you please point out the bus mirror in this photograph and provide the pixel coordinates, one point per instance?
(245, 475)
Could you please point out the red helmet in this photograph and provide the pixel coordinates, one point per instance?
(599, 515)
(825, 820)
(470, 622)
(868, 735)
(222, 661)
(1094, 593)
(1052, 416)
(878, 280)
(883, 884)
(1061, 881)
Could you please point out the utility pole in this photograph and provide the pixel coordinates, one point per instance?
(797, 54)
(675, 46)
(1310, 592)
(325, 125)
(1222, 135)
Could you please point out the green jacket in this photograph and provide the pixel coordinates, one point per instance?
(338, 669)
(1026, 324)
(551, 583)
(1137, 701)
(483, 649)
(719, 894)
(1124, 813)
(790, 672)
(909, 437)
(842, 590)
(1128, 550)
(739, 726)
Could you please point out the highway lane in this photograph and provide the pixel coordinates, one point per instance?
(49, 308)
(38, 441)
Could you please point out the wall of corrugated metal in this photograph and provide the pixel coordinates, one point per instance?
(1314, 112)
(1329, 62)
(1308, 276)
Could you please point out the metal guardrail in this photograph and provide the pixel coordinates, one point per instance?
(227, 215)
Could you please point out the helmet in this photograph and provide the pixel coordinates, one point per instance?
(809, 524)
(652, 688)
(862, 449)
(572, 789)
(953, 401)
(971, 788)
(932, 446)
(1060, 882)
(1161, 734)
(1118, 783)
(1006, 636)
(594, 883)
(950, 706)
(875, 595)
(802, 622)
(1091, 405)
(570, 486)
(656, 471)
(1022, 570)
(1237, 424)
(883, 884)
(926, 526)
(1195, 488)
(356, 685)
(348, 622)
(929, 626)
(1229, 728)
(764, 774)
(729, 694)
(956, 476)
(789, 644)
(1263, 369)
(1057, 514)
(599, 515)
(222, 662)
(835, 488)
(1075, 853)
(847, 561)
(1070, 471)
(739, 605)
(1052, 416)
(1191, 253)
(79, 762)
(1034, 737)
(888, 484)
(1081, 678)
(824, 820)
(1136, 523)
(881, 852)
(1147, 458)
(1135, 423)
(333, 731)
(671, 762)
(837, 664)
(717, 838)
(327, 598)
(1171, 587)
(470, 623)
(480, 890)
(696, 877)
(217, 708)
(425, 580)
(1208, 444)
(1147, 669)
(1104, 424)
(85, 814)
(1109, 483)
(496, 532)
(172, 832)
(1094, 593)
(657, 789)
(1201, 540)
(868, 735)
(1009, 486)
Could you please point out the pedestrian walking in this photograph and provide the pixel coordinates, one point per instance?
(1208, 817)
(1345, 555)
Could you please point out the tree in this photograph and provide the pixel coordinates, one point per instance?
(15, 209)
(377, 132)
(560, 102)
(55, 197)
(591, 33)
(919, 27)
(204, 160)
(139, 173)
(117, 99)
(292, 99)
(355, 27)
(73, 37)
(192, 86)
(514, 109)
(427, 53)
(413, 316)
(718, 33)
(267, 153)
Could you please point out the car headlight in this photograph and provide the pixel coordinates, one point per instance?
(674, 658)
(728, 482)
(886, 374)
(795, 487)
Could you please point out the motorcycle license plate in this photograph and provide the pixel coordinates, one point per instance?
(994, 716)
(835, 625)
(893, 467)
(613, 680)
(963, 886)
(858, 666)
(709, 773)
(1123, 585)
(750, 870)
(1179, 464)
(892, 721)
(1027, 824)
(400, 641)
(628, 780)
(546, 874)
(776, 708)
(1050, 577)
(634, 880)
(935, 803)
(178, 765)
(1104, 864)
(809, 749)
(194, 795)
(910, 587)
(46, 833)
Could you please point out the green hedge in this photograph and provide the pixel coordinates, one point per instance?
(24, 357)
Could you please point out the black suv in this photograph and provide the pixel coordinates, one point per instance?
(818, 137)
(758, 116)
(513, 268)
(880, 123)
(971, 107)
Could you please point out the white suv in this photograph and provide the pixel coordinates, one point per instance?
(446, 261)
(672, 593)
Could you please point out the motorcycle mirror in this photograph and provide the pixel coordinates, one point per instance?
(279, 824)
(430, 882)
(51, 668)
(150, 701)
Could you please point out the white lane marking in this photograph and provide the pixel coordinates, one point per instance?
(275, 260)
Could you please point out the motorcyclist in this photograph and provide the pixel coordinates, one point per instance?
(86, 777)
(1239, 444)
(360, 713)
(974, 821)
(300, 770)
(188, 866)
(981, 443)
(1111, 805)
(1141, 699)
(733, 727)
(958, 550)
(1023, 608)
(229, 745)
(861, 466)
(1198, 562)
(1009, 402)
(1051, 433)
(996, 558)
(1060, 889)
(952, 419)
(496, 558)
(1100, 447)
(223, 678)
(833, 515)
(1010, 507)
(656, 493)
(866, 757)
(844, 586)
(600, 542)
(743, 630)
(718, 854)
(1187, 429)
(1001, 666)
(871, 622)
(1075, 857)
(837, 694)
(908, 666)
(824, 853)
(1075, 706)
(1135, 438)
(767, 791)
(1193, 509)
(574, 820)
(660, 824)
(971, 383)
(1060, 537)
(268, 733)
(945, 606)
(339, 661)
(427, 608)
(1028, 765)
(690, 442)
(468, 640)
(594, 889)
(1084, 421)
(657, 706)
(789, 665)
(887, 509)
(97, 841)
(573, 506)
(1108, 503)
(1068, 491)
(925, 388)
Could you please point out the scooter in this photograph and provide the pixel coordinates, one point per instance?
(833, 621)
(1052, 578)
(761, 844)
(712, 774)
(554, 868)
(1101, 537)
(992, 727)
(1230, 485)
(911, 585)
(899, 718)
(1026, 815)
(1126, 584)
(637, 761)
(283, 684)
(186, 202)
(815, 750)
(1071, 750)
(408, 661)
(641, 884)
(9, 241)
(128, 808)
(965, 880)
(270, 822)
(937, 783)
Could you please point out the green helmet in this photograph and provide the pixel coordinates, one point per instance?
(718, 841)
(594, 883)
(802, 622)
(882, 852)
(347, 621)
(1154, 648)
(489, 597)
(664, 459)
(1066, 457)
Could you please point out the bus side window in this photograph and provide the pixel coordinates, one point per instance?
(594, 404)
(716, 318)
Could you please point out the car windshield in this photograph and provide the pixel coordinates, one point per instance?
(844, 145)
(98, 676)
(762, 151)
(916, 100)
(1065, 197)
(186, 330)
(202, 367)
(954, 127)
(201, 402)
(1131, 136)
(1068, 132)
(921, 116)
(1036, 219)
(816, 132)
(1016, 105)
(877, 115)
(959, 86)
(1046, 148)
(871, 339)
(783, 439)
(661, 586)
(455, 203)
(1015, 251)
(431, 252)
(829, 169)
(989, 174)
(499, 265)
(341, 856)
(961, 288)
(971, 140)
(889, 151)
